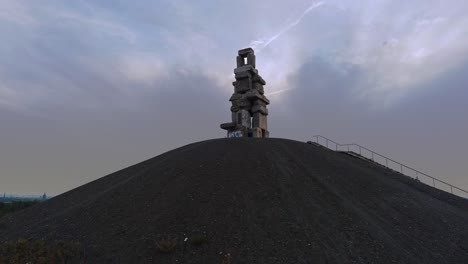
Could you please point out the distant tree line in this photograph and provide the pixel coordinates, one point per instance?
(8, 208)
(40, 252)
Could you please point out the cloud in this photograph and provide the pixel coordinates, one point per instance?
(259, 45)
(397, 62)
(279, 92)
(162, 66)
(97, 25)
(17, 12)
(398, 46)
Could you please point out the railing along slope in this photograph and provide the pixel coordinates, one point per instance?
(372, 156)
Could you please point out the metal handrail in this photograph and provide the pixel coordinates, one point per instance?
(339, 146)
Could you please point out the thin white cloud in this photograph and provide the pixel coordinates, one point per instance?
(279, 91)
(96, 24)
(7, 97)
(17, 13)
(145, 68)
(396, 45)
(260, 44)
(401, 57)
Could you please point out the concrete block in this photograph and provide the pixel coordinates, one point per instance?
(245, 52)
(243, 118)
(243, 85)
(242, 103)
(246, 68)
(245, 104)
(255, 133)
(240, 61)
(235, 108)
(259, 109)
(235, 96)
(251, 59)
(248, 103)
(259, 102)
(259, 79)
(228, 126)
(242, 75)
(258, 86)
(255, 95)
(259, 120)
(235, 134)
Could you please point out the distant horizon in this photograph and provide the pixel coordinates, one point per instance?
(91, 87)
(36, 194)
(16, 195)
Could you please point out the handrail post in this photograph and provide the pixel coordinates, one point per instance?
(351, 149)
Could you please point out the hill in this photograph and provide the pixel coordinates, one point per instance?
(252, 201)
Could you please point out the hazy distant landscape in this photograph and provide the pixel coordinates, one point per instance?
(11, 207)
(231, 132)
(263, 201)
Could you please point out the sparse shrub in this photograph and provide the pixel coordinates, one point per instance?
(226, 259)
(8, 208)
(198, 239)
(27, 251)
(166, 245)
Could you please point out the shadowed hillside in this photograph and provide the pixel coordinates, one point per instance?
(252, 201)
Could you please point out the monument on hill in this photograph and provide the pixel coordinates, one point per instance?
(249, 111)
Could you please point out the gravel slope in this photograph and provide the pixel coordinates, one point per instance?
(258, 200)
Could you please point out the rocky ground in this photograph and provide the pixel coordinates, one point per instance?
(252, 201)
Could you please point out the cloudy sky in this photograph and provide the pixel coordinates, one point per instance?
(91, 87)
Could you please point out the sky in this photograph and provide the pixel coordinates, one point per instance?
(91, 87)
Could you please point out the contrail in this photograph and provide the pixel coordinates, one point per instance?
(279, 91)
(258, 45)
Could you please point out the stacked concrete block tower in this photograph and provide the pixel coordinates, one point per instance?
(249, 111)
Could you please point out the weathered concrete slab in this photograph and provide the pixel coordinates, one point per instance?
(259, 109)
(245, 68)
(259, 120)
(255, 132)
(228, 125)
(243, 118)
(248, 103)
(243, 85)
(258, 78)
(245, 52)
(258, 87)
(251, 59)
